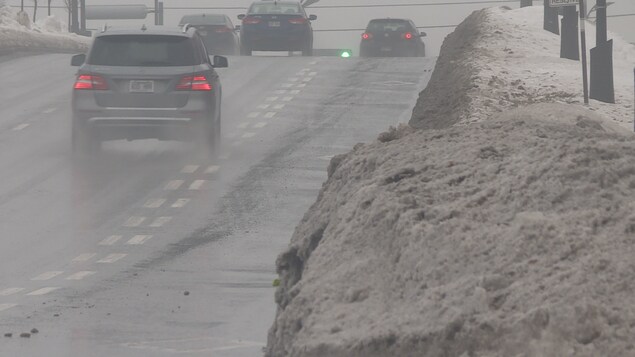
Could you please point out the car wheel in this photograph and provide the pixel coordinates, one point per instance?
(307, 51)
(83, 143)
(244, 50)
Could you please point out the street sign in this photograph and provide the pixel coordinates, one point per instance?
(560, 3)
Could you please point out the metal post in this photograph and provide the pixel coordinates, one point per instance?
(551, 19)
(569, 41)
(156, 12)
(601, 21)
(82, 11)
(74, 17)
(602, 87)
(525, 3)
(161, 13)
(585, 79)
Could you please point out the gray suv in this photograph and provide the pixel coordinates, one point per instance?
(146, 83)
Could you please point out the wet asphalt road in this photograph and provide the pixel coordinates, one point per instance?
(152, 249)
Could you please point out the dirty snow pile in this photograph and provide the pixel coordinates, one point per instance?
(506, 60)
(18, 33)
(511, 234)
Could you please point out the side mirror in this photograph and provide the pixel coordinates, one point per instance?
(313, 17)
(423, 34)
(78, 60)
(237, 27)
(241, 16)
(220, 62)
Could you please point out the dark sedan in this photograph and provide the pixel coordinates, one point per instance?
(392, 38)
(217, 31)
(276, 26)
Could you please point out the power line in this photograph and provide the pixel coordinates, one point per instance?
(419, 27)
(476, 2)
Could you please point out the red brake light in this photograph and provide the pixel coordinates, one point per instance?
(251, 20)
(408, 36)
(195, 83)
(298, 20)
(90, 82)
(367, 36)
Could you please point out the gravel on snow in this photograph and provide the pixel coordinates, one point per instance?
(510, 234)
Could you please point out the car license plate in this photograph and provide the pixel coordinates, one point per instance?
(142, 86)
(274, 23)
(386, 49)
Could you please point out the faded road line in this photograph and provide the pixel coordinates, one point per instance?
(42, 291)
(80, 275)
(111, 258)
(84, 257)
(20, 127)
(11, 291)
(139, 239)
(160, 221)
(47, 276)
(7, 306)
(174, 185)
(180, 203)
(110, 240)
(134, 221)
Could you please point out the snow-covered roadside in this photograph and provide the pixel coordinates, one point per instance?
(17, 34)
(509, 234)
(506, 60)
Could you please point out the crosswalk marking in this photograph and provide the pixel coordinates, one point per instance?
(47, 276)
(80, 275)
(139, 239)
(84, 257)
(110, 240)
(111, 258)
(42, 291)
(160, 221)
(11, 291)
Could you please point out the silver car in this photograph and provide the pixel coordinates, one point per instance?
(146, 83)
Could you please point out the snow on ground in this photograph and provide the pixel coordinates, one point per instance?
(509, 234)
(17, 33)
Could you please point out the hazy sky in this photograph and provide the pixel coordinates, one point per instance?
(358, 18)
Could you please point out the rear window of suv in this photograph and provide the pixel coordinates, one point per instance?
(271, 8)
(388, 26)
(142, 51)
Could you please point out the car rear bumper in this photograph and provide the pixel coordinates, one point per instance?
(275, 42)
(388, 49)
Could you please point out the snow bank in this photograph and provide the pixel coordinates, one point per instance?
(500, 59)
(509, 234)
(17, 33)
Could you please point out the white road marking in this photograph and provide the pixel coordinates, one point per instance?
(295, 91)
(198, 184)
(20, 127)
(154, 203)
(287, 99)
(160, 221)
(281, 91)
(190, 169)
(110, 240)
(260, 125)
(84, 257)
(301, 85)
(271, 99)
(278, 106)
(286, 85)
(80, 275)
(112, 258)
(242, 125)
(139, 239)
(42, 291)
(6, 306)
(313, 74)
(313, 63)
(270, 115)
(263, 106)
(248, 135)
(212, 169)
(293, 79)
(49, 110)
(134, 221)
(180, 203)
(174, 185)
(254, 114)
(11, 291)
(307, 79)
(47, 276)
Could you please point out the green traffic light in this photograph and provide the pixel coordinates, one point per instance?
(346, 54)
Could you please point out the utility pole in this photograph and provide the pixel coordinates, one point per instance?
(602, 87)
(82, 12)
(74, 16)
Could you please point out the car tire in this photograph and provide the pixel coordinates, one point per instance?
(307, 51)
(83, 143)
(244, 50)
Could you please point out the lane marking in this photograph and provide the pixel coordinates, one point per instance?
(139, 239)
(313, 74)
(307, 79)
(301, 85)
(11, 291)
(313, 63)
(287, 99)
(242, 125)
(271, 99)
(49, 110)
(20, 127)
(180, 203)
(47, 276)
(111, 258)
(248, 135)
(42, 291)
(80, 275)
(270, 115)
(279, 106)
(281, 91)
(4, 307)
(254, 114)
(110, 240)
(212, 169)
(293, 79)
(198, 184)
(84, 257)
(286, 85)
(295, 91)
(154, 203)
(160, 221)
(263, 106)
(190, 169)
(260, 125)
(134, 221)
(174, 185)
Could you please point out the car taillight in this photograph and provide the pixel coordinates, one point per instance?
(298, 20)
(223, 30)
(251, 20)
(408, 36)
(367, 36)
(90, 82)
(194, 83)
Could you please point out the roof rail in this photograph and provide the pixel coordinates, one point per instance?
(186, 27)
